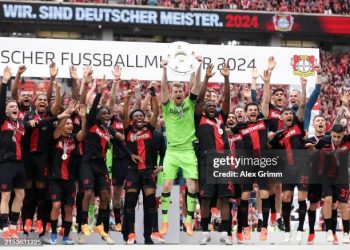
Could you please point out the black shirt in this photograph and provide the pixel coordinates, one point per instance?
(211, 133)
(11, 133)
(140, 142)
(63, 168)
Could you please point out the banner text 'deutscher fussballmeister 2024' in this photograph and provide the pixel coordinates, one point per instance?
(114, 15)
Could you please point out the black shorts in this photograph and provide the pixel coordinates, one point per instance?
(12, 176)
(77, 165)
(215, 190)
(263, 184)
(314, 194)
(119, 171)
(137, 179)
(237, 191)
(290, 187)
(339, 192)
(63, 191)
(36, 167)
(94, 175)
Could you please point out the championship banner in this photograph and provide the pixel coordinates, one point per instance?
(142, 60)
(163, 18)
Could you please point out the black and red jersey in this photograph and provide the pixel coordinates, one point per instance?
(314, 140)
(62, 158)
(333, 160)
(76, 128)
(274, 115)
(290, 139)
(22, 113)
(39, 137)
(98, 136)
(117, 124)
(11, 133)
(211, 133)
(140, 142)
(96, 141)
(254, 134)
(235, 141)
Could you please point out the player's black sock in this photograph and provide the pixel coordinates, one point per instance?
(101, 216)
(334, 220)
(239, 219)
(224, 226)
(328, 223)
(67, 227)
(41, 196)
(312, 220)
(302, 214)
(54, 226)
(79, 205)
(130, 204)
(272, 199)
(116, 212)
(151, 204)
(106, 219)
(244, 212)
(346, 226)
(4, 218)
(205, 224)
(29, 203)
(286, 209)
(265, 211)
(84, 217)
(13, 218)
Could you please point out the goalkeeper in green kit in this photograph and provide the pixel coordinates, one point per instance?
(178, 114)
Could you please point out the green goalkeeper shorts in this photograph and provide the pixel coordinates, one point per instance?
(175, 159)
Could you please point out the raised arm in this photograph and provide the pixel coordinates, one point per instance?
(271, 63)
(164, 87)
(93, 111)
(138, 95)
(147, 99)
(83, 131)
(57, 106)
(58, 130)
(87, 78)
(197, 84)
(255, 76)
(155, 107)
(200, 100)
(53, 73)
(312, 98)
(225, 72)
(14, 92)
(301, 110)
(344, 108)
(117, 71)
(125, 116)
(74, 77)
(6, 78)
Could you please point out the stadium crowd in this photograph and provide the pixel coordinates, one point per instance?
(329, 7)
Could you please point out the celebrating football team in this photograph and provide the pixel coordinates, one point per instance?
(75, 160)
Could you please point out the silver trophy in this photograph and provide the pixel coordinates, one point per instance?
(181, 58)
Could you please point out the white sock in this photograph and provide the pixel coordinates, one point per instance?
(260, 217)
(278, 216)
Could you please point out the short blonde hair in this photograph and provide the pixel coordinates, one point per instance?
(177, 85)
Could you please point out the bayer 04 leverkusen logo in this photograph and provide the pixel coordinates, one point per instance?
(303, 65)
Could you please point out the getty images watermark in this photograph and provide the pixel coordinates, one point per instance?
(240, 167)
(231, 166)
(274, 166)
